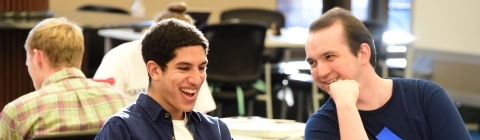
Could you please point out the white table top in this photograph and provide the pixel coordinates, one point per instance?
(254, 128)
(291, 38)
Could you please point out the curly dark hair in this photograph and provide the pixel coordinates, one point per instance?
(167, 36)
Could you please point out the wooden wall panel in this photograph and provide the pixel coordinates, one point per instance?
(14, 78)
(23, 5)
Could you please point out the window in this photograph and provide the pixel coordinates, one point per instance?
(359, 9)
(300, 13)
(399, 15)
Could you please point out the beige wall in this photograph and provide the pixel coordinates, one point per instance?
(457, 76)
(155, 6)
(450, 31)
(447, 25)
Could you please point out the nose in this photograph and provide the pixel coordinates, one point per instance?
(196, 78)
(321, 71)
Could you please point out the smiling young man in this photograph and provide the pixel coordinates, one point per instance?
(175, 55)
(124, 64)
(341, 53)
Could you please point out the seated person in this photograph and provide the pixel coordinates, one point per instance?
(125, 64)
(175, 54)
(362, 105)
(64, 100)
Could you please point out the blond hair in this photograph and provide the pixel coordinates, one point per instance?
(60, 40)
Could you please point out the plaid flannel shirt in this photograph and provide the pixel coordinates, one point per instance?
(67, 102)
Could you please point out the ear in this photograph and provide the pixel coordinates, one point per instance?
(38, 58)
(154, 70)
(364, 54)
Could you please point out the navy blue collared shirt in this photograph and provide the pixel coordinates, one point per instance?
(147, 120)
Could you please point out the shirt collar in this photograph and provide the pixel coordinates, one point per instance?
(154, 110)
(67, 73)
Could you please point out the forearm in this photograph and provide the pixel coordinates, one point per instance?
(350, 123)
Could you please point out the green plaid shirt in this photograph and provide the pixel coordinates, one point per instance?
(67, 102)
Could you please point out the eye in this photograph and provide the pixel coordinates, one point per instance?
(202, 68)
(312, 63)
(329, 57)
(183, 68)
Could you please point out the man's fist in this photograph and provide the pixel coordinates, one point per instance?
(345, 91)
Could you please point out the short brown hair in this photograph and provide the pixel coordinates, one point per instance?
(60, 40)
(354, 30)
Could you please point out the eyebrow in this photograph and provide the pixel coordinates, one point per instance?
(189, 64)
(322, 55)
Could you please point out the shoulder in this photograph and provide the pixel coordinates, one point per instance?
(215, 123)
(22, 108)
(417, 86)
(116, 127)
(28, 98)
(26, 102)
(126, 115)
(323, 123)
(417, 83)
(326, 113)
(104, 90)
(204, 118)
(125, 49)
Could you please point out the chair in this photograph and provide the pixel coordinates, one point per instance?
(200, 18)
(255, 14)
(90, 135)
(234, 62)
(267, 16)
(377, 30)
(302, 85)
(100, 8)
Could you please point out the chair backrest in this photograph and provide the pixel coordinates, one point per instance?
(264, 15)
(200, 17)
(377, 30)
(235, 52)
(101, 8)
(90, 135)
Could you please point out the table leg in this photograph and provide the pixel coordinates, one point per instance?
(268, 90)
(315, 93)
(410, 56)
(108, 45)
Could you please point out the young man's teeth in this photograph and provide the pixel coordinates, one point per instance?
(334, 80)
(191, 91)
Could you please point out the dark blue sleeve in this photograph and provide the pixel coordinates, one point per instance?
(114, 129)
(321, 127)
(225, 132)
(442, 116)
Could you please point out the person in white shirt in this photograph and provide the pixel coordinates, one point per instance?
(125, 64)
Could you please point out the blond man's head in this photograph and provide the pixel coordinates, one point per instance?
(52, 45)
(60, 40)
